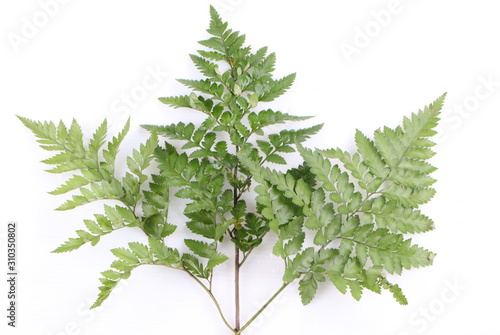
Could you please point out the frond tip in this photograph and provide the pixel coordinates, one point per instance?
(437, 105)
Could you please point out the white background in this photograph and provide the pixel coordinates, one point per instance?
(83, 59)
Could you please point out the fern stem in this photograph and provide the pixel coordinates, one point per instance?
(237, 288)
(210, 294)
(245, 326)
(237, 264)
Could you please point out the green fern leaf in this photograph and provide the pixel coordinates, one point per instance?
(396, 292)
(214, 43)
(300, 264)
(261, 70)
(411, 178)
(407, 196)
(203, 86)
(217, 26)
(182, 101)
(97, 141)
(113, 147)
(212, 55)
(111, 278)
(205, 250)
(371, 155)
(192, 264)
(356, 289)
(397, 218)
(275, 88)
(307, 288)
(70, 245)
(140, 250)
(73, 183)
(165, 255)
(277, 159)
(339, 282)
(125, 255)
(206, 67)
(75, 139)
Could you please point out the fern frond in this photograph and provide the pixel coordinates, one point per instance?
(115, 218)
(357, 167)
(193, 264)
(334, 181)
(217, 26)
(203, 86)
(212, 55)
(394, 216)
(361, 223)
(73, 183)
(206, 67)
(270, 117)
(206, 250)
(262, 67)
(355, 208)
(308, 286)
(98, 191)
(155, 253)
(182, 101)
(274, 88)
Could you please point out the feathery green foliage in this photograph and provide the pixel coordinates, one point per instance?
(356, 208)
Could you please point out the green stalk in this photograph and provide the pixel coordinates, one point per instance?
(237, 264)
(209, 292)
(237, 288)
(262, 309)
